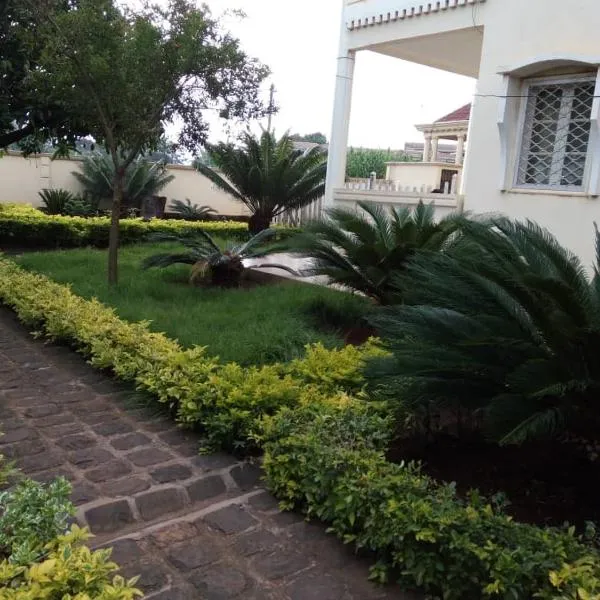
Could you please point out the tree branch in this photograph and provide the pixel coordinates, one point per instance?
(12, 137)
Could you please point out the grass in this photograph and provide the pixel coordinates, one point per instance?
(251, 326)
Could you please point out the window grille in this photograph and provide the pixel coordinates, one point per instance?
(556, 135)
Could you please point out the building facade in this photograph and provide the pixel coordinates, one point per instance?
(534, 133)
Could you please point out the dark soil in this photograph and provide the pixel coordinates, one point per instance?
(547, 483)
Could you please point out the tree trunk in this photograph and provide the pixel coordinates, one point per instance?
(258, 223)
(113, 236)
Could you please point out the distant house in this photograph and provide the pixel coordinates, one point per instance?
(534, 125)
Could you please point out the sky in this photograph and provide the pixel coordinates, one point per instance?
(299, 42)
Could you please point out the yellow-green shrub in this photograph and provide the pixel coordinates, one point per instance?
(69, 571)
(24, 226)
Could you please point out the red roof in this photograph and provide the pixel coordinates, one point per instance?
(461, 114)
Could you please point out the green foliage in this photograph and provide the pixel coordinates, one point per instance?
(191, 212)
(141, 179)
(67, 570)
(55, 201)
(23, 226)
(315, 138)
(506, 327)
(328, 460)
(364, 250)
(32, 515)
(361, 162)
(267, 175)
(80, 206)
(211, 263)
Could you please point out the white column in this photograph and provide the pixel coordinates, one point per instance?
(460, 149)
(434, 148)
(427, 149)
(338, 143)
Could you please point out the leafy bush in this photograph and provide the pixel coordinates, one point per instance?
(55, 201)
(32, 514)
(364, 250)
(192, 212)
(79, 206)
(68, 570)
(328, 460)
(210, 263)
(24, 226)
(142, 179)
(361, 162)
(507, 327)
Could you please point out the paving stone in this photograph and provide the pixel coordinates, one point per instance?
(247, 476)
(154, 504)
(171, 473)
(316, 586)
(96, 406)
(148, 457)
(153, 575)
(8, 424)
(17, 435)
(26, 448)
(112, 428)
(77, 442)
(157, 425)
(109, 517)
(205, 488)
(52, 474)
(133, 440)
(285, 519)
(219, 583)
(263, 502)
(110, 470)
(46, 410)
(194, 554)
(90, 457)
(39, 462)
(232, 519)
(173, 534)
(125, 551)
(125, 487)
(281, 564)
(101, 418)
(60, 431)
(177, 593)
(255, 542)
(213, 462)
(178, 437)
(188, 450)
(82, 493)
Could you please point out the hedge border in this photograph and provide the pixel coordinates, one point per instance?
(324, 453)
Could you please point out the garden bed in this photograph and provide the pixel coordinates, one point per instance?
(256, 324)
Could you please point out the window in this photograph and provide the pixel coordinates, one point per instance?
(556, 134)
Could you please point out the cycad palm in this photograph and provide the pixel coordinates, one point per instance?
(362, 250)
(507, 326)
(268, 175)
(142, 179)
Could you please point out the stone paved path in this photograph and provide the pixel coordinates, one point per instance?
(193, 527)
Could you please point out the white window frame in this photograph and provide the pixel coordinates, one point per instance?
(591, 77)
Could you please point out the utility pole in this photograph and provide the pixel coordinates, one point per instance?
(271, 108)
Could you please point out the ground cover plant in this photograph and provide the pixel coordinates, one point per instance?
(256, 325)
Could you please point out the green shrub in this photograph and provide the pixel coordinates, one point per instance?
(23, 226)
(68, 571)
(55, 201)
(32, 514)
(328, 460)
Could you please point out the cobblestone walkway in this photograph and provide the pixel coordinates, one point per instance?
(194, 527)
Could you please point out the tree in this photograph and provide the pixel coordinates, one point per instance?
(268, 175)
(506, 328)
(125, 74)
(29, 117)
(315, 138)
(364, 161)
(364, 250)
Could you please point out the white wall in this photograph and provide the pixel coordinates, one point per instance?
(516, 32)
(22, 178)
(418, 174)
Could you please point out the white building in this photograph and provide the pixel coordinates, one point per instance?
(534, 133)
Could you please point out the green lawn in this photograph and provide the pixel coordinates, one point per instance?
(251, 326)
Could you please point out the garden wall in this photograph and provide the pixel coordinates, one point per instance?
(22, 178)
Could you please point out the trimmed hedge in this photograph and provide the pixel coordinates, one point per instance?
(26, 227)
(324, 454)
(226, 400)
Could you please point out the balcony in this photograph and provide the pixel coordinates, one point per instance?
(444, 34)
